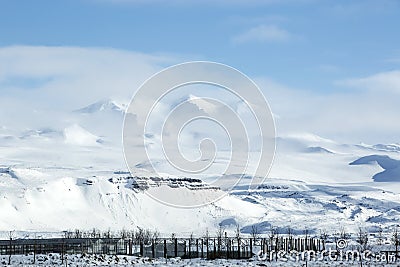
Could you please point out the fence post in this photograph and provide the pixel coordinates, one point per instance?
(184, 247)
(227, 247)
(153, 252)
(202, 248)
(189, 250)
(34, 252)
(176, 247)
(264, 247)
(215, 248)
(219, 246)
(62, 252)
(251, 247)
(239, 248)
(197, 248)
(208, 256)
(165, 248)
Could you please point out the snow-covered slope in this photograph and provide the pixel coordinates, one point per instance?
(76, 135)
(43, 199)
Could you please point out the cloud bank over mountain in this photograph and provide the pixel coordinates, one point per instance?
(38, 82)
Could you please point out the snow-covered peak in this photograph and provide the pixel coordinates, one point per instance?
(309, 138)
(201, 102)
(103, 106)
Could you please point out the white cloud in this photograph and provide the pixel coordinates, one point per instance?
(383, 81)
(263, 33)
(70, 77)
(350, 116)
(39, 84)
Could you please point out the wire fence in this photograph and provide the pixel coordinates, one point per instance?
(209, 248)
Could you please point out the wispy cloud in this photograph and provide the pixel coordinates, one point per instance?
(264, 33)
(383, 81)
(348, 116)
(67, 78)
(73, 75)
(34, 79)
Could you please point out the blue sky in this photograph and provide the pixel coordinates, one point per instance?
(307, 44)
(327, 67)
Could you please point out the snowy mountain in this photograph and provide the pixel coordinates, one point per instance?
(73, 175)
(103, 106)
(391, 167)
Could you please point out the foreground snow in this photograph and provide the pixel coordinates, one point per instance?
(108, 260)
